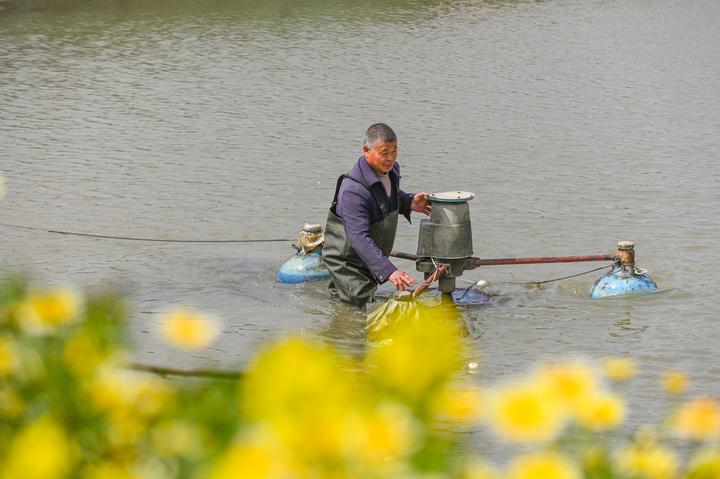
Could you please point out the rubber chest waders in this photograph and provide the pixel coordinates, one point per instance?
(351, 280)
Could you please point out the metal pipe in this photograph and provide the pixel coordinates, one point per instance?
(401, 255)
(477, 262)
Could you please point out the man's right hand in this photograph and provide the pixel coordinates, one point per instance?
(400, 279)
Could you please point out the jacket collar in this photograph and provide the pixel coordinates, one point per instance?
(370, 176)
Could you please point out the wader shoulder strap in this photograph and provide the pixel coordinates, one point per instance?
(378, 201)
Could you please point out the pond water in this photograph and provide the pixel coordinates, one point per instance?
(576, 125)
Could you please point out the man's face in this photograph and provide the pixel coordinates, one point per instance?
(381, 156)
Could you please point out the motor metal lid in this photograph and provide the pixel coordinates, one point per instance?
(451, 197)
(625, 245)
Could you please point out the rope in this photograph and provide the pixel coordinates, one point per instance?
(158, 240)
(559, 279)
(439, 271)
(541, 282)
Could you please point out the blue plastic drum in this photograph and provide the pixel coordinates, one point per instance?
(619, 282)
(301, 268)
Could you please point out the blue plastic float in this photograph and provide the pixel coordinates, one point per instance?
(306, 264)
(620, 282)
(303, 267)
(624, 278)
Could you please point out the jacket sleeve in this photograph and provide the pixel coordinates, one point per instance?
(355, 212)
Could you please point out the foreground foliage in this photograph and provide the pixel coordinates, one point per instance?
(72, 406)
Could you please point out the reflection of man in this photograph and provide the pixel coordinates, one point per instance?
(361, 225)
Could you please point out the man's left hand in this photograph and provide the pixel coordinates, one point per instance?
(421, 203)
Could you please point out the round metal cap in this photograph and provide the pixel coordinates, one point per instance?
(451, 197)
(625, 245)
(312, 228)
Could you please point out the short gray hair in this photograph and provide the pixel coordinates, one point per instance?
(379, 132)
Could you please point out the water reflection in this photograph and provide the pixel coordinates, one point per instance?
(345, 328)
(625, 324)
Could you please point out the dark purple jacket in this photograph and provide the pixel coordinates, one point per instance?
(358, 211)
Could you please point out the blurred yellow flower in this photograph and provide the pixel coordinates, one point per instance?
(387, 433)
(11, 404)
(704, 465)
(675, 382)
(460, 404)
(188, 329)
(108, 470)
(594, 460)
(83, 354)
(543, 465)
(296, 375)
(526, 413)
(478, 469)
(647, 460)
(601, 411)
(41, 450)
(127, 394)
(43, 313)
(125, 431)
(253, 457)
(698, 419)
(422, 355)
(296, 386)
(172, 438)
(8, 356)
(619, 369)
(569, 382)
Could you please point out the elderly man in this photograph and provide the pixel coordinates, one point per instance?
(361, 224)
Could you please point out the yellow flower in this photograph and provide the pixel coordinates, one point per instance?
(526, 413)
(296, 386)
(41, 450)
(43, 313)
(177, 438)
(619, 369)
(601, 412)
(543, 465)
(698, 419)
(386, 433)
(422, 355)
(595, 461)
(189, 330)
(108, 470)
(8, 356)
(477, 469)
(129, 394)
(255, 456)
(126, 431)
(647, 460)
(460, 404)
(83, 355)
(675, 382)
(570, 382)
(705, 465)
(11, 404)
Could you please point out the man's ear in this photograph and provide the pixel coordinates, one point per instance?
(365, 149)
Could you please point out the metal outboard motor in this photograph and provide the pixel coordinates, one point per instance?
(446, 237)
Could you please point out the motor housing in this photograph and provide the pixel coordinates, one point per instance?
(446, 237)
